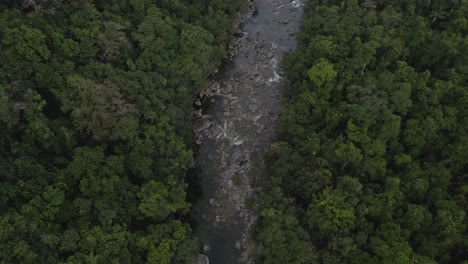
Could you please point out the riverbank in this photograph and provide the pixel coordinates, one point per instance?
(234, 130)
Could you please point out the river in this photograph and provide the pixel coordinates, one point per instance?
(236, 118)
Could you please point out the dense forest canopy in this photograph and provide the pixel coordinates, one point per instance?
(95, 110)
(371, 161)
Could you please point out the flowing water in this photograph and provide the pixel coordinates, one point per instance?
(236, 122)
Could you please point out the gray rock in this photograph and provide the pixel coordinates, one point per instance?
(227, 114)
(201, 124)
(237, 157)
(238, 245)
(282, 2)
(197, 113)
(203, 259)
(197, 102)
(206, 248)
(253, 108)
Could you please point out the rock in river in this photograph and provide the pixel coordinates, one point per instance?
(201, 124)
(237, 157)
(203, 259)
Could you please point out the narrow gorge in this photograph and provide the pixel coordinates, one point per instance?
(236, 115)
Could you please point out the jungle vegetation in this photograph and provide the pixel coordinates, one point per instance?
(370, 165)
(95, 116)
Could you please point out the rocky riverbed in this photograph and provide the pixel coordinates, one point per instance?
(236, 114)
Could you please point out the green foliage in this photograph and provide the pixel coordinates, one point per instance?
(95, 106)
(283, 239)
(322, 75)
(158, 200)
(330, 212)
(369, 155)
(237, 180)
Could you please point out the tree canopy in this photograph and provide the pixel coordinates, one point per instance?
(95, 109)
(370, 165)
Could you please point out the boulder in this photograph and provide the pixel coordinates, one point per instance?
(203, 259)
(201, 124)
(238, 245)
(206, 248)
(237, 157)
(282, 2)
(253, 108)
